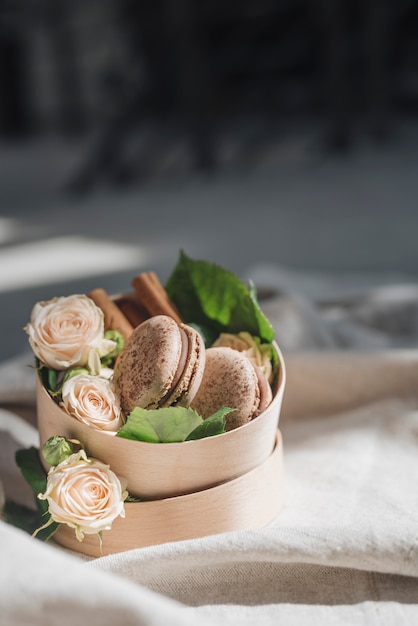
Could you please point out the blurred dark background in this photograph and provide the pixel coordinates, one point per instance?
(278, 132)
(202, 71)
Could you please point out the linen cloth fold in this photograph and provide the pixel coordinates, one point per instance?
(345, 547)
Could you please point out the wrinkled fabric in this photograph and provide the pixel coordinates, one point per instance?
(344, 549)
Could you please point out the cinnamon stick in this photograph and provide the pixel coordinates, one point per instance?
(153, 296)
(133, 310)
(114, 319)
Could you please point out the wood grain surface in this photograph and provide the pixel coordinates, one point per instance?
(155, 471)
(250, 501)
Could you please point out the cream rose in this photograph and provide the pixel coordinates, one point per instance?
(91, 400)
(68, 331)
(259, 353)
(85, 494)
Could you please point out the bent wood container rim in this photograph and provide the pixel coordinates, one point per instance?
(155, 470)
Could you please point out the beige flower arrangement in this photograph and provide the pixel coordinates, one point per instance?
(76, 344)
(68, 337)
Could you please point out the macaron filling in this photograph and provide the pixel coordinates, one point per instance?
(173, 395)
(266, 394)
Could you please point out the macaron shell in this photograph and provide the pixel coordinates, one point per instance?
(191, 378)
(145, 369)
(229, 380)
(266, 393)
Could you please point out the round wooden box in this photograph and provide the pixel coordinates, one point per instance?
(250, 501)
(155, 471)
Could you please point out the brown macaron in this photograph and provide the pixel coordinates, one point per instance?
(266, 393)
(230, 379)
(161, 364)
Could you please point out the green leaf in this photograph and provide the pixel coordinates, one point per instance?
(132, 499)
(74, 371)
(33, 471)
(50, 378)
(119, 339)
(213, 297)
(21, 516)
(209, 335)
(213, 425)
(166, 425)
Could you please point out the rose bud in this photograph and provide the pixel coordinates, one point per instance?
(57, 449)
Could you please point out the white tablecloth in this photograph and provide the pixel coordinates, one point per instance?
(344, 549)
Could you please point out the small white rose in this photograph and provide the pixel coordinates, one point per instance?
(85, 494)
(259, 353)
(67, 332)
(106, 372)
(91, 400)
